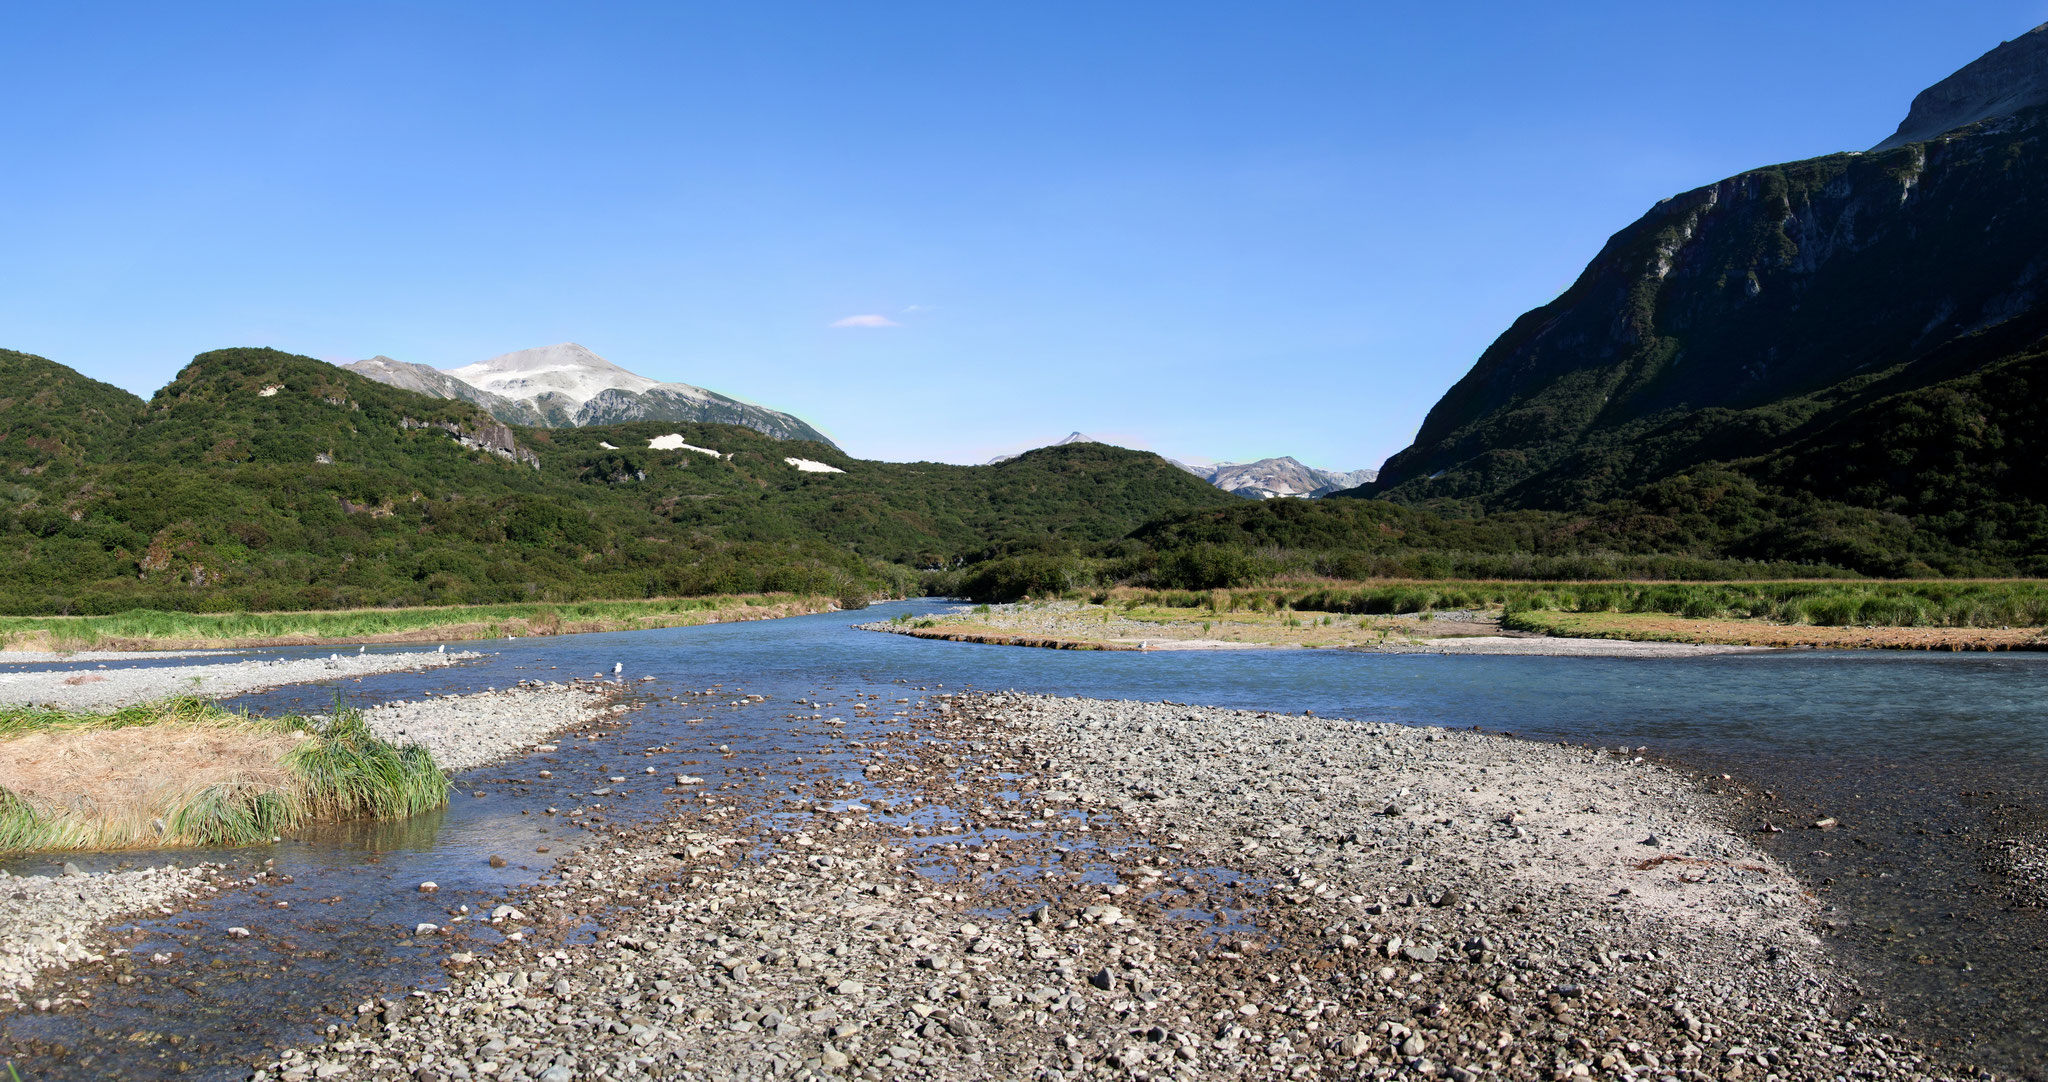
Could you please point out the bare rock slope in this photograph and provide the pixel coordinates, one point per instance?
(2002, 82)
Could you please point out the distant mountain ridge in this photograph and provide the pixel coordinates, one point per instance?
(1279, 478)
(568, 386)
(264, 480)
(1071, 437)
(1265, 479)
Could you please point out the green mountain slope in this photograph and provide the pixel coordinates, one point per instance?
(1856, 337)
(1734, 317)
(259, 479)
(51, 414)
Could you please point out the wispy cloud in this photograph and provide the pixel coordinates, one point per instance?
(913, 309)
(865, 321)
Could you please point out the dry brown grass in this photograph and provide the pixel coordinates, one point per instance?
(117, 783)
(1657, 627)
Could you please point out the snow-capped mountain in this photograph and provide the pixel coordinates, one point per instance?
(566, 385)
(438, 384)
(1266, 479)
(1273, 478)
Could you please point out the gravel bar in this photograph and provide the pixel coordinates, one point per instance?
(113, 688)
(55, 657)
(1022, 887)
(56, 922)
(467, 731)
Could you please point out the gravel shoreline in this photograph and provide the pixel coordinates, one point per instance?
(56, 922)
(1034, 887)
(58, 657)
(468, 731)
(1535, 646)
(113, 688)
(1059, 626)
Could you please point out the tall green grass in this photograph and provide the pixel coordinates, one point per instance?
(338, 770)
(21, 720)
(489, 621)
(1913, 603)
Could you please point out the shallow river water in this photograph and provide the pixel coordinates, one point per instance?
(1922, 759)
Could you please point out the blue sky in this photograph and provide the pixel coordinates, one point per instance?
(1220, 231)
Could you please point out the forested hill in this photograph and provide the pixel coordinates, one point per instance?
(50, 415)
(1863, 331)
(259, 479)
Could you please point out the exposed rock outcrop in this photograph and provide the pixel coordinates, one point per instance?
(2002, 82)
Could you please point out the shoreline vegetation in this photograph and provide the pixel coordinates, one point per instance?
(145, 629)
(1999, 615)
(185, 772)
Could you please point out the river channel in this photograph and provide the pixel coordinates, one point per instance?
(1923, 759)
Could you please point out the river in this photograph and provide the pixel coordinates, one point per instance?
(1922, 758)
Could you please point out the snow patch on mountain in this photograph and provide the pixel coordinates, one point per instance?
(808, 466)
(674, 442)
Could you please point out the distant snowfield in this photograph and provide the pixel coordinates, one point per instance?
(809, 466)
(607, 446)
(567, 369)
(674, 442)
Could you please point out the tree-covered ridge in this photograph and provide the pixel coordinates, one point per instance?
(263, 480)
(49, 413)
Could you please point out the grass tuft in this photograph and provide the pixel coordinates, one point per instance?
(335, 770)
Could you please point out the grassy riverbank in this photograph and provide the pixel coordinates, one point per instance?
(186, 772)
(1943, 603)
(1659, 627)
(145, 629)
(1981, 615)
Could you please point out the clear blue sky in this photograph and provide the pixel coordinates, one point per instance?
(1225, 231)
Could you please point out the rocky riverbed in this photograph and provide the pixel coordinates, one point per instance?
(1025, 887)
(109, 687)
(57, 922)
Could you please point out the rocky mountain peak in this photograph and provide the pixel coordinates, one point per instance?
(2012, 77)
(566, 369)
(566, 385)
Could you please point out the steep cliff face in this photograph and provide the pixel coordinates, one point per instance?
(2002, 82)
(1735, 319)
